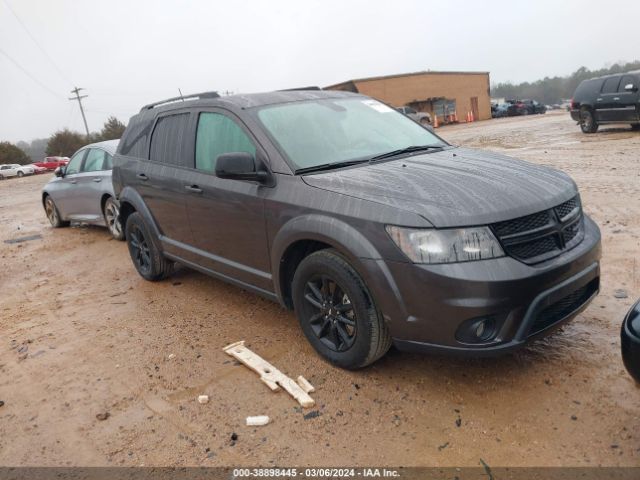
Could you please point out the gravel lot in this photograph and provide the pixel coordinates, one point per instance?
(82, 334)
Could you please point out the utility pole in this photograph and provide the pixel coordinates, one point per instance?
(79, 98)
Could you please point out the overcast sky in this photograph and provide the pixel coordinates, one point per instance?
(128, 53)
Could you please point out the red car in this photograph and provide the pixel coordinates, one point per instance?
(51, 163)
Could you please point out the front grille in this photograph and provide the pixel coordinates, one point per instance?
(542, 235)
(563, 307)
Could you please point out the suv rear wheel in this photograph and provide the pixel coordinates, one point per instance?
(144, 251)
(588, 123)
(336, 311)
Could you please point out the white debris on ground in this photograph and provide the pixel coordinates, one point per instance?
(257, 421)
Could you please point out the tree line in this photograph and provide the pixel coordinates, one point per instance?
(551, 90)
(62, 143)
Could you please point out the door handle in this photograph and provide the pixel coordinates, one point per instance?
(193, 188)
(73, 181)
(97, 180)
(616, 98)
(599, 99)
(142, 176)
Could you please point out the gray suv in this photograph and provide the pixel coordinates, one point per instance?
(372, 228)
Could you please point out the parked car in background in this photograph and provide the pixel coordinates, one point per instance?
(82, 190)
(37, 169)
(500, 110)
(15, 170)
(371, 228)
(534, 107)
(605, 100)
(516, 108)
(51, 163)
(630, 342)
(423, 118)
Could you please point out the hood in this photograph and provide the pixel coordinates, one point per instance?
(455, 187)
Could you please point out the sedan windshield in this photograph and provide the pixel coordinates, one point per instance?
(333, 131)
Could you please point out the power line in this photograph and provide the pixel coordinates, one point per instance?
(60, 72)
(29, 74)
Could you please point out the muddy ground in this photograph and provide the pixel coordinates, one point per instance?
(82, 334)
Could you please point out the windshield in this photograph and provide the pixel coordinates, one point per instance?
(340, 130)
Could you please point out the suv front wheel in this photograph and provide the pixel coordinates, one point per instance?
(144, 250)
(336, 311)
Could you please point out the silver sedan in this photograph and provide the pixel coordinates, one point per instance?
(82, 191)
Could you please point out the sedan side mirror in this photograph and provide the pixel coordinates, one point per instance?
(630, 87)
(59, 172)
(239, 166)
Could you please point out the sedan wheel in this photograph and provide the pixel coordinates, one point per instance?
(52, 213)
(20, 174)
(112, 219)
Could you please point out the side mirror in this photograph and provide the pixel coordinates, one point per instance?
(630, 87)
(59, 172)
(239, 166)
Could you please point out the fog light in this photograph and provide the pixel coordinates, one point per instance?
(478, 330)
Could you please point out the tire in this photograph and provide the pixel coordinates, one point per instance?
(20, 174)
(635, 126)
(588, 123)
(144, 250)
(53, 214)
(111, 213)
(424, 121)
(337, 313)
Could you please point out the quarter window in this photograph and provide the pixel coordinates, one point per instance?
(218, 134)
(611, 85)
(108, 162)
(626, 80)
(168, 142)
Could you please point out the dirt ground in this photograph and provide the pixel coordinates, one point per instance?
(82, 334)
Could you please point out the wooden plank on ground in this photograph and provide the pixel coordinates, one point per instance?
(269, 374)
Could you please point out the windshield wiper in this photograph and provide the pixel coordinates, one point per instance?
(330, 166)
(400, 151)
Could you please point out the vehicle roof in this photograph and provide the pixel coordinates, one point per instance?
(253, 100)
(109, 145)
(632, 72)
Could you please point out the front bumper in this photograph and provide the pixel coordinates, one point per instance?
(424, 305)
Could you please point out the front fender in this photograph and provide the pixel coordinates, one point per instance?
(348, 241)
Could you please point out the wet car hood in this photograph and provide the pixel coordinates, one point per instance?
(454, 187)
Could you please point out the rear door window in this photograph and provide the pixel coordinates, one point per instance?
(169, 139)
(611, 85)
(94, 160)
(218, 134)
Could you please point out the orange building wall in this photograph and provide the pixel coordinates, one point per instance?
(403, 89)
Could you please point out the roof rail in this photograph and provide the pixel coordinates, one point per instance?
(299, 89)
(181, 98)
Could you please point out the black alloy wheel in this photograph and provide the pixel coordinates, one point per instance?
(334, 320)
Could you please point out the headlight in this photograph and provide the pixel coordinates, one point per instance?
(446, 246)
